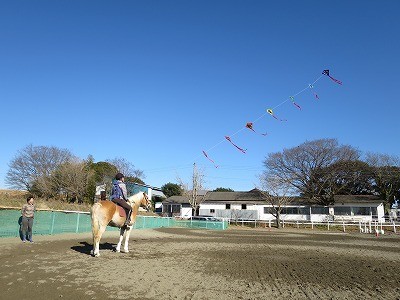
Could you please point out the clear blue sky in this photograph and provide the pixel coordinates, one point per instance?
(172, 78)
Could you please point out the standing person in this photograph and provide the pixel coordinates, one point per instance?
(119, 195)
(27, 212)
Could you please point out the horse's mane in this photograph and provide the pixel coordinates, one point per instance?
(132, 199)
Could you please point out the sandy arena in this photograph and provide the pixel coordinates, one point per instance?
(172, 263)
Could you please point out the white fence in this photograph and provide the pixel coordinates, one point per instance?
(376, 227)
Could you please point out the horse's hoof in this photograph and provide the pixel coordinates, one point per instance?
(125, 251)
(117, 250)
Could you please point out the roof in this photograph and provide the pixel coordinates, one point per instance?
(255, 196)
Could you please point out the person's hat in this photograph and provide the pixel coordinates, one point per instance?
(119, 176)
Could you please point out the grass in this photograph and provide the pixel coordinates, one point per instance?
(15, 199)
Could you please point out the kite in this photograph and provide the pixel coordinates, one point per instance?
(312, 91)
(240, 149)
(205, 154)
(249, 125)
(294, 103)
(270, 111)
(326, 72)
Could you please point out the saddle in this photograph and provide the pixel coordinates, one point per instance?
(121, 211)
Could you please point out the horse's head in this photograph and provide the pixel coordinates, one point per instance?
(146, 202)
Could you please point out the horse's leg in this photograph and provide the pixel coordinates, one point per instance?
(127, 234)
(121, 236)
(96, 239)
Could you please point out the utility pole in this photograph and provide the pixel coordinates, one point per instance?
(194, 188)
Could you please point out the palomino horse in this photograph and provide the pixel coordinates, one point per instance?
(108, 213)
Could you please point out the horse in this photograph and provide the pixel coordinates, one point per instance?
(105, 213)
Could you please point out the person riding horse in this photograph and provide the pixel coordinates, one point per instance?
(119, 195)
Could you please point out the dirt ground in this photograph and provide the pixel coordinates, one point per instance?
(172, 263)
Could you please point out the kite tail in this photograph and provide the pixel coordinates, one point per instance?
(205, 154)
(335, 80)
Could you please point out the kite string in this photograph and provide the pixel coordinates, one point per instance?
(260, 117)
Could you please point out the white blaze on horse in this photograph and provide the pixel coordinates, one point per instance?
(108, 213)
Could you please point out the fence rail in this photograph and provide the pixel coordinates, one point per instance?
(54, 222)
(361, 226)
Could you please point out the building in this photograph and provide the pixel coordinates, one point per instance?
(253, 205)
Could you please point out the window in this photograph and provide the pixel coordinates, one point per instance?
(364, 211)
(342, 211)
(244, 206)
(304, 210)
(227, 206)
(290, 211)
(320, 210)
(269, 210)
(212, 210)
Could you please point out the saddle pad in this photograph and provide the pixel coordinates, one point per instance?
(122, 212)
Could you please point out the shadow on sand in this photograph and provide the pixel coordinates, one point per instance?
(86, 248)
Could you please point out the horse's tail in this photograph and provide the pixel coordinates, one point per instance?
(95, 218)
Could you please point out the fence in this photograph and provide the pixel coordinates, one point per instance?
(54, 222)
(361, 226)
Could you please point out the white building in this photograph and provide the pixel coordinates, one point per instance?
(252, 205)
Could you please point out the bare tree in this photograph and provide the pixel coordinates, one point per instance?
(73, 178)
(126, 168)
(33, 163)
(386, 174)
(303, 166)
(277, 193)
(192, 194)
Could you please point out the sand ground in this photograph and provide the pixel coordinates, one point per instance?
(172, 263)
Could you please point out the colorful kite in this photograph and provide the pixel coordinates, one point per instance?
(205, 154)
(249, 125)
(326, 72)
(312, 91)
(240, 149)
(294, 103)
(270, 111)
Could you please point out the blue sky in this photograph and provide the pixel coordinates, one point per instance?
(172, 78)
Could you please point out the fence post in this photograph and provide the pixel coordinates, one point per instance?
(269, 223)
(394, 227)
(344, 228)
(77, 223)
(52, 223)
(312, 224)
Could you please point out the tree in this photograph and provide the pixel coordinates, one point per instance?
(73, 178)
(386, 175)
(277, 193)
(192, 194)
(127, 168)
(305, 167)
(221, 189)
(33, 164)
(172, 189)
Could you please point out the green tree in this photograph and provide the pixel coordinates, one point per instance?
(172, 189)
(221, 189)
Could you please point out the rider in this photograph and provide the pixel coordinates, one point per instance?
(120, 196)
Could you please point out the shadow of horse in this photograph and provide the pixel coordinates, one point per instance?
(86, 248)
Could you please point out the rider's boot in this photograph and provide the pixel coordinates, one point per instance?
(128, 218)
